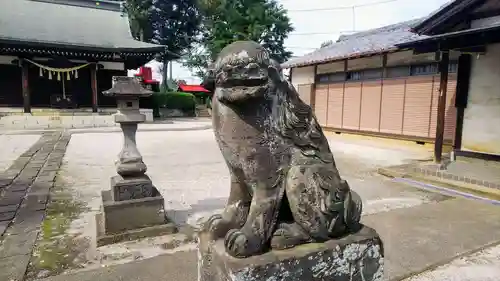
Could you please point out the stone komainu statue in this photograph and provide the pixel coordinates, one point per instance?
(285, 188)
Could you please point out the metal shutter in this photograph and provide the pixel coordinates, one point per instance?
(370, 106)
(305, 92)
(391, 112)
(352, 104)
(417, 107)
(321, 104)
(335, 105)
(450, 111)
(450, 119)
(434, 108)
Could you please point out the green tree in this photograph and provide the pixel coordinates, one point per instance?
(139, 14)
(226, 21)
(173, 23)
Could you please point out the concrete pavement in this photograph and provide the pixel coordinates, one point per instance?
(480, 266)
(416, 239)
(190, 172)
(13, 146)
(175, 267)
(420, 237)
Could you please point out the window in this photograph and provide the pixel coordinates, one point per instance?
(354, 76)
(322, 78)
(375, 73)
(397, 71)
(424, 69)
(337, 77)
(453, 67)
(331, 77)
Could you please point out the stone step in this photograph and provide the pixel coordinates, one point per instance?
(204, 112)
(62, 120)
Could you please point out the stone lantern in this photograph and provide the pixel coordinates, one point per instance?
(133, 208)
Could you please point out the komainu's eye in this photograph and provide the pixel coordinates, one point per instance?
(252, 69)
(252, 65)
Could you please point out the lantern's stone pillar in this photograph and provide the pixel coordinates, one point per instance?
(133, 208)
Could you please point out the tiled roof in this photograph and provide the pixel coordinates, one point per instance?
(193, 88)
(439, 10)
(70, 26)
(364, 43)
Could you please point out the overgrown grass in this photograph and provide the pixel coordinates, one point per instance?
(57, 250)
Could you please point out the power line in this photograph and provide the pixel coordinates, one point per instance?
(344, 7)
(323, 33)
(302, 48)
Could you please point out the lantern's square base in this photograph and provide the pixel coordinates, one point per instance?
(131, 219)
(356, 257)
(127, 188)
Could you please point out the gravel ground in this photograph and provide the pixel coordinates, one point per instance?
(13, 146)
(188, 169)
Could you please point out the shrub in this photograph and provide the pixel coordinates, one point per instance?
(174, 100)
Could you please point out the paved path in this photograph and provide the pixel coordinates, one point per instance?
(481, 266)
(419, 237)
(13, 146)
(415, 238)
(25, 192)
(188, 169)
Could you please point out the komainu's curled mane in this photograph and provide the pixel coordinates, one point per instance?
(285, 189)
(295, 121)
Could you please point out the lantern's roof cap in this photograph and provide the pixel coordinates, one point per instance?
(124, 86)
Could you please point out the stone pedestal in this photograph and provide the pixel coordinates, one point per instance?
(133, 208)
(356, 257)
(131, 219)
(127, 188)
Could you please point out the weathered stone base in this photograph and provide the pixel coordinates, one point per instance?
(158, 230)
(132, 188)
(131, 219)
(357, 257)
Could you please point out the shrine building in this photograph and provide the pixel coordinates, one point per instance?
(60, 55)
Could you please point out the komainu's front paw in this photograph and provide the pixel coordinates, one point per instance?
(216, 226)
(240, 245)
(288, 236)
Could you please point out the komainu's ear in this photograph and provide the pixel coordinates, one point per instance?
(275, 74)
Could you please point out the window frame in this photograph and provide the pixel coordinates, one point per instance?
(433, 66)
(360, 75)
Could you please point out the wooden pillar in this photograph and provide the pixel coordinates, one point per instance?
(443, 85)
(312, 97)
(93, 81)
(25, 85)
(462, 95)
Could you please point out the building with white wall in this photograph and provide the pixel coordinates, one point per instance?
(365, 84)
(473, 28)
(430, 80)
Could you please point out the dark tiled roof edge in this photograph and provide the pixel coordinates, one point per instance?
(364, 43)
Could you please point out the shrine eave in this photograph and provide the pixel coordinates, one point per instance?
(50, 49)
(70, 28)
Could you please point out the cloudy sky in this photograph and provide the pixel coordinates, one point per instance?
(317, 21)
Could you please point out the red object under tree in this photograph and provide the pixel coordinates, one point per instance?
(193, 88)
